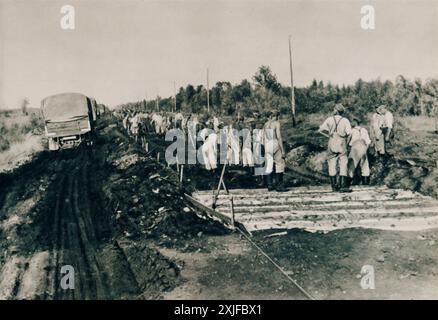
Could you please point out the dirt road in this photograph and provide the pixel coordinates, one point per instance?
(66, 225)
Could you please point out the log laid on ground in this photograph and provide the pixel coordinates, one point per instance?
(318, 208)
(276, 234)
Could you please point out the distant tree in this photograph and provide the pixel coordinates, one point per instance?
(179, 98)
(216, 96)
(189, 93)
(241, 91)
(401, 96)
(265, 79)
(430, 97)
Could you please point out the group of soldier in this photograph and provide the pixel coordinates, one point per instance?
(349, 143)
(256, 142)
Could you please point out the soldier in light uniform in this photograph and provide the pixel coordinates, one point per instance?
(382, 125)
(388, 124)
(216, 123)
(179, 118)
(233, 154)
(274, 152)
(157, 121)
(359, 143)
(135, 125)
(209, 147)
(247, 156)
(337, 129)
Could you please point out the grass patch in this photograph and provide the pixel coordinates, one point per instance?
(15, 127)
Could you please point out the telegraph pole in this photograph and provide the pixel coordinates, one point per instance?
(208, 93)
(292, 91)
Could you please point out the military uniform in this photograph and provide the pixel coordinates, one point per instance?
(359, 143)
(339, 129)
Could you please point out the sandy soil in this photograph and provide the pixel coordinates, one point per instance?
(20, 152)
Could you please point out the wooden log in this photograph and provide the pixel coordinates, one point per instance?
(223, 218)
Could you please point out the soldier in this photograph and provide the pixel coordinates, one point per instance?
(258, 149)
(157, 121)
(216, 123)
(126, 122)
(382, 126)
(387, 128)
(178, 120)
(247, 156)
(337, 129)
(378, 138)
(135, 125)
(274, 152)
(184, 121)
(209, 147)
(359, 142)
(233, 154)
(192, 131)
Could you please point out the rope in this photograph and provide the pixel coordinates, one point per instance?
(308, 295)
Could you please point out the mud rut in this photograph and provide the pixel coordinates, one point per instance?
(74, 237)
(75, 231)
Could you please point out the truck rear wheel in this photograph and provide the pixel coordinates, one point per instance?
(53, 144)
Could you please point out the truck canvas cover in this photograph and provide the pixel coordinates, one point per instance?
(64, 107)
(66, 114)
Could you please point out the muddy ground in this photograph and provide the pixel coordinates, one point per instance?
(120, 219)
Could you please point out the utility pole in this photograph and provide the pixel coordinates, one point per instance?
(208, 93)
(292, 91)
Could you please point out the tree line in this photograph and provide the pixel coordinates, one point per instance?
(403, 96)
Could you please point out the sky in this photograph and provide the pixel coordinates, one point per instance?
(126, 50)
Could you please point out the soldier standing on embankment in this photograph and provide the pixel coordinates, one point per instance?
(274, 152)
(382, 126)
(359, 142)
(338, 129)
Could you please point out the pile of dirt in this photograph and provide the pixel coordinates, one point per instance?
(399, 176)
(157, 209)
(414, 156)
(135, 269)
(306, 157)
(430, 183)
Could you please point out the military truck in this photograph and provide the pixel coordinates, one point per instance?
(69, 120)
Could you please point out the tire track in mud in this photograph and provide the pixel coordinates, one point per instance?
(79, 225)
(62, 239)
(70, 233)
(69, 224)
(75, 242)
(72, 227)
(87, 237)
(52, 276)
